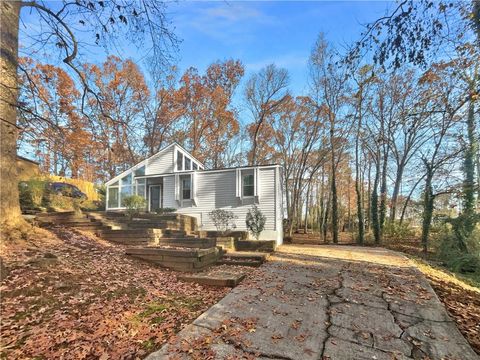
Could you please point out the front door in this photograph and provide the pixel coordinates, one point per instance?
(155, 196)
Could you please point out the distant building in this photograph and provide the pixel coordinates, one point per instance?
(27, 168)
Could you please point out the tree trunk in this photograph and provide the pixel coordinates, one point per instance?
(374, 205)
(334, 196)
(383, 190)
(427, 210)
(358, 191)
(468, 165)
(307, 204)
(369, 191)
(9, 204)
(396, 191)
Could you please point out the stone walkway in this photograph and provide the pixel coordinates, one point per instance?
(325, 302)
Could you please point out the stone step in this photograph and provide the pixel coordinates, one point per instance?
(253, 263)
(187, 242)
(243, 259)
(131, 242)
(214, 278)
(190, 260)
(99, 227)
(72, 222)
(130, 236)
(246, 255)
(155, 225)
(61, 220)
(57, 214)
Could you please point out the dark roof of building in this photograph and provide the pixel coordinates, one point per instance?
(29, 160)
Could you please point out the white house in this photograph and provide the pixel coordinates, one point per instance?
(173, 178)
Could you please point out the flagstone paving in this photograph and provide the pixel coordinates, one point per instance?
(325, 302)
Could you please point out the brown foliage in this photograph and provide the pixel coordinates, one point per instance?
(72, 296)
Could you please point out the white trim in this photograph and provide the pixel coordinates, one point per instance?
(145, 161)
(207, 171)
(133, 168)
(200, 164)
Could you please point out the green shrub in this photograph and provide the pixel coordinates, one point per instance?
(133, 205)
(222, 219)
(397, 231)
(456, 259)
(59, 202)
(91, 205)
(33, 194)
(255, 221)
(161, 211)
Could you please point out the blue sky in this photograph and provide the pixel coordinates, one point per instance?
(259, 33)
(256, 32)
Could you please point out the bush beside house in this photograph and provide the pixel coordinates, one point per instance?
(133, 205)
(255, 221)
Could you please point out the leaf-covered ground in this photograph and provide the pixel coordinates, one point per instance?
(461, 300)
(72, 296)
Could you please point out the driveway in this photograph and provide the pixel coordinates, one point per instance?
(325, 302)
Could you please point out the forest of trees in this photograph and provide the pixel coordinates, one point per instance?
(386, 135)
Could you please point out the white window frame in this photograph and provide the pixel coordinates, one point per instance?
(243, 185)
(189, 178)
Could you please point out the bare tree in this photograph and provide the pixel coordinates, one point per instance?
(264, 92)
(328, 83)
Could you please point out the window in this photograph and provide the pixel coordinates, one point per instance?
(179, 161)
(140, 171)
(248, 185)
(195, 166)
(141, 187)
(186, 188)
(188, 163)
(127, 180)
(113, 197)
(126, 187)
(125, 192)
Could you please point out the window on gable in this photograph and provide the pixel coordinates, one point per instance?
(140, 171)
(179, 161)
(195, 166)
(186, 187)
(188, 163)
(248, 185)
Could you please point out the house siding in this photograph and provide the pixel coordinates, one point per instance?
(217, 191)
(169, 192)
(161, 164)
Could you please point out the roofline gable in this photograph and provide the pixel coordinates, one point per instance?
(145, 161)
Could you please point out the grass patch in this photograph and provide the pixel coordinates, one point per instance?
(186, 302)
(470, 281)
(152, 308)
(149, 345)
(131, 291)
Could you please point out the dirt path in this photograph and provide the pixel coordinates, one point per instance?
(326, 302)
